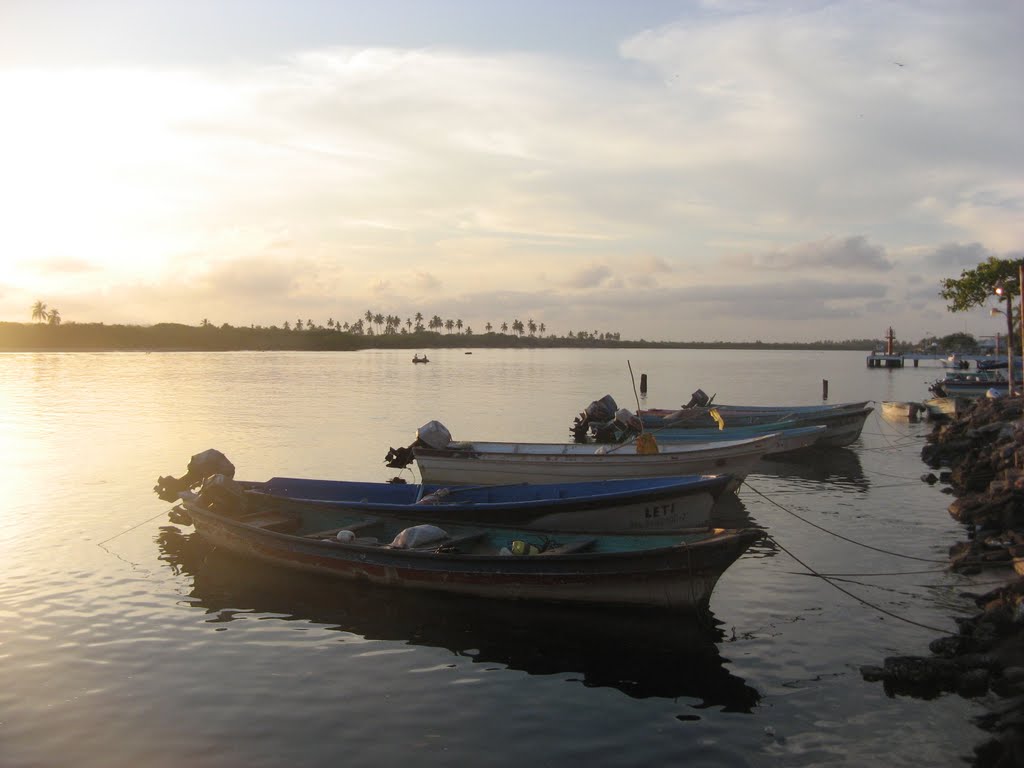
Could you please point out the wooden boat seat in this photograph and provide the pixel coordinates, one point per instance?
(451, 541)
(568, 549)
(272, 520)
(333, 532)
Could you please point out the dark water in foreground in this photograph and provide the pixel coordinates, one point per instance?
(127, 641)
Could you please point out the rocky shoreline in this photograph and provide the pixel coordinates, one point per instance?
(981, 456)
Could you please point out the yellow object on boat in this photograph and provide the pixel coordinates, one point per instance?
(646, 444)
(717, 417)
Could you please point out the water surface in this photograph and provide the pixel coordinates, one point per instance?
(126, 640)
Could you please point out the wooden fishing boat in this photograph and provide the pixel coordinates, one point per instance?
(601, 506)
(418, 359)
(900, 410)
(671, 571)
(971, 384)
(944, 407)
(489, 463)
(843, 422)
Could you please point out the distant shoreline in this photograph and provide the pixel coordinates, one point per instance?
(172, 337)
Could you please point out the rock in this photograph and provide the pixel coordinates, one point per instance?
(972, 683)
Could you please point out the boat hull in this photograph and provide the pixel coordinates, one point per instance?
(787, 441)
(498, 463)
(843, 423)
(605, 506)
(678, 577)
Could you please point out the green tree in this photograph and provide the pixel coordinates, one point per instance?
(54, 317)
(39, 312)
(976, 286)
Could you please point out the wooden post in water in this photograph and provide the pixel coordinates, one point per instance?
(824, 389)
(643, 383)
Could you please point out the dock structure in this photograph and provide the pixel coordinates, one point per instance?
(888, 359)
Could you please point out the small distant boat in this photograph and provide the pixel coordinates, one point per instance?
(418, 359)
(898, 410)
(955, 361)
(667, 571)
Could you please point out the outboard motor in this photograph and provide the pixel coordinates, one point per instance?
(201, 466)
(597, 413)
(698, 399)
(433, 434)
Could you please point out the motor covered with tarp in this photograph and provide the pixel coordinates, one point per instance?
(433, 434)
(201, 466)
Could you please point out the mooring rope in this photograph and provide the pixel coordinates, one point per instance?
(839, 535)
(860, 600)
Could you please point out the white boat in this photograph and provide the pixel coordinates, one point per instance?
(900, 410)
(493, 463)
(944, 407)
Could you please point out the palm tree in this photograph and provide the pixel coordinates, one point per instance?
(504, 327)
(542, 329)
(419, 321)
(54, 317)
(532, 326)
(39, 312)
(458, 324)
(369, 316)
(449, 324)
(488, 327)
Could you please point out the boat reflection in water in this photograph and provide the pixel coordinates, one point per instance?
(836, 466)
(641, 653)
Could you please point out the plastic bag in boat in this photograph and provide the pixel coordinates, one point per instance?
(434, 434)
(417, 536)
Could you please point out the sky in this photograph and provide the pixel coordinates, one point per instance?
(725, 170)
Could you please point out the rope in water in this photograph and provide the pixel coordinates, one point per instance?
(839, 535)
(860, 600)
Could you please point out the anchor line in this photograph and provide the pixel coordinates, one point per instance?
(839, 535)
(860, 600)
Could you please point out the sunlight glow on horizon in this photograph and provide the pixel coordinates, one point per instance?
(705, 159)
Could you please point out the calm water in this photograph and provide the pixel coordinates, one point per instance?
(125, 641)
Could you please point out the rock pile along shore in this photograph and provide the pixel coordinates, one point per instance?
(981, 456)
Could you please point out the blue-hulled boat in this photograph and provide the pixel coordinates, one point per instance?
(612, 505)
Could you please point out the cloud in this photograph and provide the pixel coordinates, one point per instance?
(589, 277)
(853, 253)
(706, 158)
